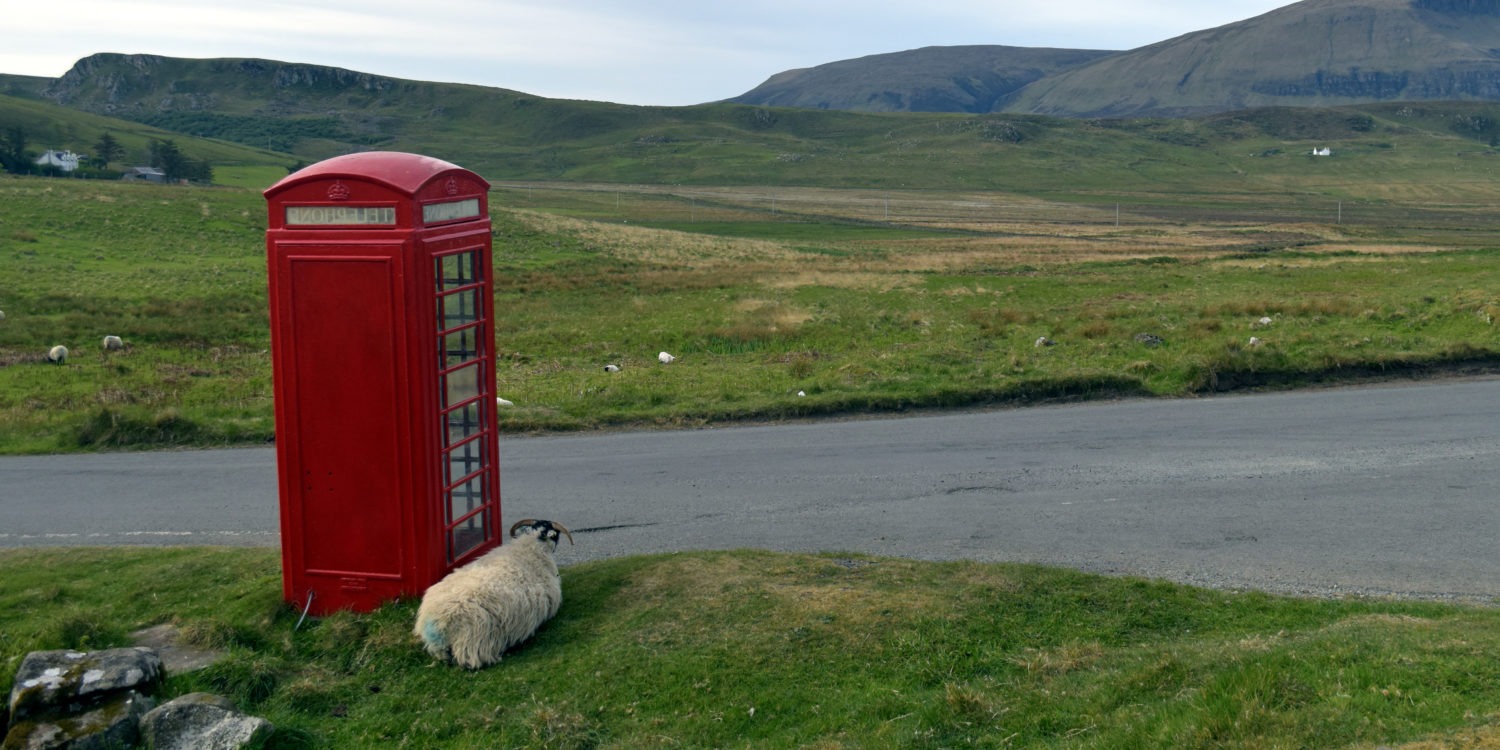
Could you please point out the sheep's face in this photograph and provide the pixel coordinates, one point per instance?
(547, 531)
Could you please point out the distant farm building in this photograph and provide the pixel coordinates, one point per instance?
(67, 161)
(144, 174)
(1324, 151)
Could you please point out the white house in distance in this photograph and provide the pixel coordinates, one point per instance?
(67, 161)
(1324, 151)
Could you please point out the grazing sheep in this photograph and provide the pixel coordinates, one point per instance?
(113, 343)
(611, 368)
(58, 354)
(665, 358)
(478, 611)
(503, 402)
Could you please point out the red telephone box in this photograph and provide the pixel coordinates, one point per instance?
(382, 342)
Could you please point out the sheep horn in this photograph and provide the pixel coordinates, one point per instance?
(563, 529)
(519, 524)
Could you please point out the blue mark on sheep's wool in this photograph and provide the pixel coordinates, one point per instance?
(432, 635)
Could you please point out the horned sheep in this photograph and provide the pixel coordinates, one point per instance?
(477, 612)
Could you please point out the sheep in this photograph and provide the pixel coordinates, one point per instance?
(611, 368)
(57, 354)
(113, 343)
(478, 611)
(665, 358)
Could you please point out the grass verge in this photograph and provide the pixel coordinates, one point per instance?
(753, 649)
(814, 303)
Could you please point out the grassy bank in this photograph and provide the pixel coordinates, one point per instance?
(778, 304)
(769, 651)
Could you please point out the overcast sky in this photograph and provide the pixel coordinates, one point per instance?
(669, 52)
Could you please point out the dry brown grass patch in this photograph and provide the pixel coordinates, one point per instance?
(834, 279)
(657, 245)
(1483, 738)
(846, 595)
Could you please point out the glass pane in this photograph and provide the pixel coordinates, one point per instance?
(466, 536)
(461, 385)
(463, 422)
(457, 270)
(460, 346)
(457, 309)
(464, 498)
(464, 460)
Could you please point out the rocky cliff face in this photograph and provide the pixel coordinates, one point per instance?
(140, 85)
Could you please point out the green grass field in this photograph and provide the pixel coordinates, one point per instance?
(1161, 259)
(753, 649)
(778, 304)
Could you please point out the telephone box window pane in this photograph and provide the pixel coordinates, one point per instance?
(458, 270)
(463, 422)
(461, 385)
(467, 536)
(458, 308)
(460, 346)
(463, 499)
(465, 459)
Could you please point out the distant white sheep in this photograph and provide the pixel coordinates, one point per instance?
(58, 354)
(477, 612)
(113, 343)
(665, 358)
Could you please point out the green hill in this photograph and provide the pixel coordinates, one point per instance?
(932, 79)
(1312, 53)
(286, 112)
(49, 126)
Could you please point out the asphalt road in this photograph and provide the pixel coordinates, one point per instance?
(1381, 490)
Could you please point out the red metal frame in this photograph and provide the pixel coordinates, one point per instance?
(362, 372)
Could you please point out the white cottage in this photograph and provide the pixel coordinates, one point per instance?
(67, 161)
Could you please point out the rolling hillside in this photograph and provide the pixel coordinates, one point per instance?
(1313, 53)
(269, 113)
(932, 79)
(49, 126)
(1310, 53)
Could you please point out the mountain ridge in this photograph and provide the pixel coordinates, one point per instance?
(968, 78)
(1310, 53)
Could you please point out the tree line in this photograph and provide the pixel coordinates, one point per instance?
(165, 155)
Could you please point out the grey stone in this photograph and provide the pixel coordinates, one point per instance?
(64, 681)
(200, 721)
(111, 725)
(176, 656)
